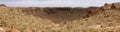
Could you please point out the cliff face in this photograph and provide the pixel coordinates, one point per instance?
(60, 19)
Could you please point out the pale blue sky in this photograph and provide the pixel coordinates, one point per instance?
(56, 3)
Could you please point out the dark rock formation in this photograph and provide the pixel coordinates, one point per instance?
(3, 5)
(116, 5)
(111, 6)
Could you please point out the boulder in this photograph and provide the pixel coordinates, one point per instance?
(116, 5)
(107, 6)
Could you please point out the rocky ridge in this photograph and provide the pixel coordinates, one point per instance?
(60, 19)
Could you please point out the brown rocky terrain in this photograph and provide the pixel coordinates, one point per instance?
(60, 19)
(3, 5)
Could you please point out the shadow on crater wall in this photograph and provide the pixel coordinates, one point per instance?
(58, 14)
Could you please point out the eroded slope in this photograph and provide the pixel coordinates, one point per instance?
(34, 19)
